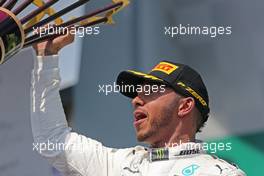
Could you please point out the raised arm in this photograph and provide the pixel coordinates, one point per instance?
(69, 152)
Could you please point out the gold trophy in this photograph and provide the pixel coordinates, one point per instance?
(16, 34)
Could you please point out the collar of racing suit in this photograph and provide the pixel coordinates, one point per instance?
(168, 153)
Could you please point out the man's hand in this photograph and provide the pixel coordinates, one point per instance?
(53, 46)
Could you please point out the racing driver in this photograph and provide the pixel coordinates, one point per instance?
(167, 119)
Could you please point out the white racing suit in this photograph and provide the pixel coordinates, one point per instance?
(76, 155)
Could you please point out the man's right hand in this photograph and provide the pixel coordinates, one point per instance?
(53, 46)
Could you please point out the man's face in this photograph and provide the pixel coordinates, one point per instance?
(155, 115)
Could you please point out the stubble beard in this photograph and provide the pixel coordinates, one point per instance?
(155, 125)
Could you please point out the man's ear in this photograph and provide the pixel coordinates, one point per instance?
(186, 105)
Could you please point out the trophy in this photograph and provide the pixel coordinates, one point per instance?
(18, 33)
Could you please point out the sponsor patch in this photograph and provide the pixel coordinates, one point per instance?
(190, 170)
(165, 67)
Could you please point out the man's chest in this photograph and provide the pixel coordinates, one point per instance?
(159, 168)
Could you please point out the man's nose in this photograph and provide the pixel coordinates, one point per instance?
(137, 101)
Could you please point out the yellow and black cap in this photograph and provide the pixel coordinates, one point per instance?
(182, 78)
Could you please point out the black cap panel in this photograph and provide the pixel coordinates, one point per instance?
(129, 80)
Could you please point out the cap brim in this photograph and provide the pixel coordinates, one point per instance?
(129, 80)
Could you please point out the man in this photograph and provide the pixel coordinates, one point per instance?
(167, 117)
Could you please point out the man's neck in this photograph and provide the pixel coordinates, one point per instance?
(174, 140)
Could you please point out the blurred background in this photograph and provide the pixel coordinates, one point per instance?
(232, 67)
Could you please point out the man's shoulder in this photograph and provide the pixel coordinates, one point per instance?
(127, 152)
(205, 164)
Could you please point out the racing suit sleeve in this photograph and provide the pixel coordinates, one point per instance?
(71, 153)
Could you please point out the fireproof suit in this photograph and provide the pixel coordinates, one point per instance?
(76, 155)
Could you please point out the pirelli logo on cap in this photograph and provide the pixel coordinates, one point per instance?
(165, 67)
